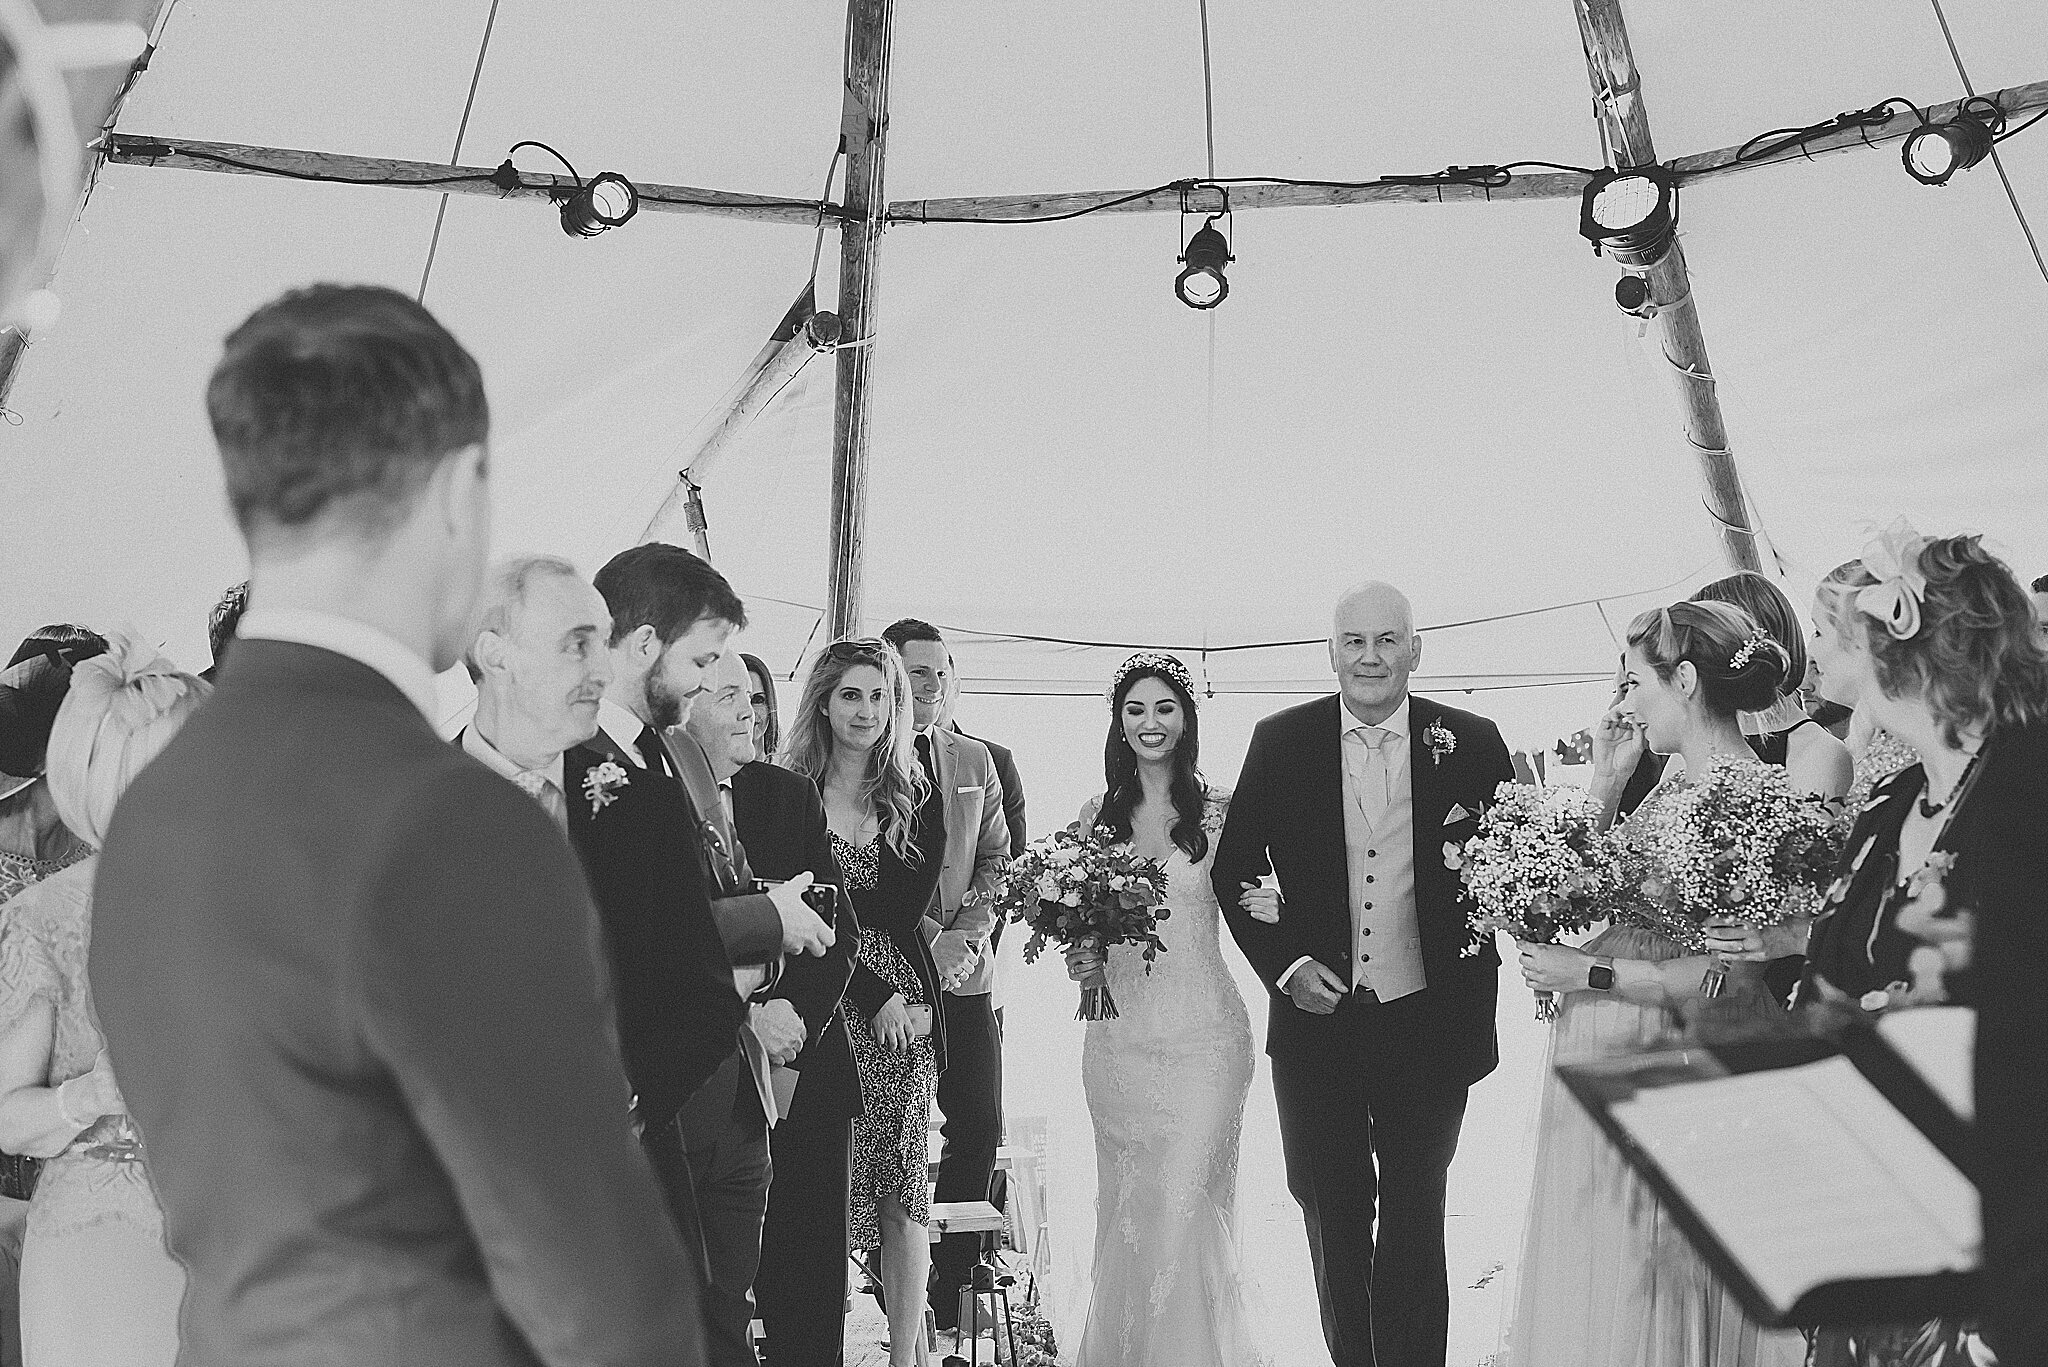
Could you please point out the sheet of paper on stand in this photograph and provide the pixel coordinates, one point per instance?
(1808, 1176)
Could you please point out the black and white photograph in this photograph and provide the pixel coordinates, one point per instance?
(1168, 683)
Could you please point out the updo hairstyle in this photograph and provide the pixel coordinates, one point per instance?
(1770, 609)
(123, 707)
(1740, 668)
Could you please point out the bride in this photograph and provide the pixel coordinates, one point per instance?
(1166, 1081)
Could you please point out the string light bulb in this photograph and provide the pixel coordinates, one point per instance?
(1201, 285)
(606, 201)
(1936, 151)
(1631, 210)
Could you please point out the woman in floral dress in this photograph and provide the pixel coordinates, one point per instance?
(851, 735)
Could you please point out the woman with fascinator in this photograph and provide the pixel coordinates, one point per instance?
(1166, 1081)
(1942, 896)
(98, 1286)
(1606, 1279)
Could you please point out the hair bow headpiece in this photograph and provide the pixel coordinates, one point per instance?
(1152, 660)
(1893, 559)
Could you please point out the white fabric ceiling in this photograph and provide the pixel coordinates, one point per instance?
(1443, 395)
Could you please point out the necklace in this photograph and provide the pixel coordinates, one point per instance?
(1930, 810)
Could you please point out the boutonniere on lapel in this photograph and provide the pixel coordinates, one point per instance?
(1440, 741)
(601, 784)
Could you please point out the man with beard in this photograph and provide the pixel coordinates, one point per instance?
(691, 942)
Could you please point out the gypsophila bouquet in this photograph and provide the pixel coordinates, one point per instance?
(1084, 889)
(1538, 867)
(1740, 845)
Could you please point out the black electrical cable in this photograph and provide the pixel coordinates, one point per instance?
(529, 142)
(323, 177)
(2021, 128)
(1876, 116)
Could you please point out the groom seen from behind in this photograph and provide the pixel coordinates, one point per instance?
(1378, 1024)
(352, 977)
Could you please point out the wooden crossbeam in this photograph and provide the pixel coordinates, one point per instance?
(2017, 101)
(336, 168)
(243, 159)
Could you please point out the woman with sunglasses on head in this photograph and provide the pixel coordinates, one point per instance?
(1943, 891)
(851, 735)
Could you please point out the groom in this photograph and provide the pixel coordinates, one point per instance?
(1378, 1024)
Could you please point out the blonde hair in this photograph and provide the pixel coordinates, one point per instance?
(894, 783)
(123, 707)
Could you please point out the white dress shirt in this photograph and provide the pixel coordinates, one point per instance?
(544, 783)
(624, 728)
(1379, 856)
(359, 641)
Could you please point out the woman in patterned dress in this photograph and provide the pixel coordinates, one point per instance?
(851, 735)
(98, 1286)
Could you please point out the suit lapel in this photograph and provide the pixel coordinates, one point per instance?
(1426, 779)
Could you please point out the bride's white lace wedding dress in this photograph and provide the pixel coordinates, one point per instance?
(1166, 1084)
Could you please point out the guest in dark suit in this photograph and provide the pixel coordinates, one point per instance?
(851, 735)
(352, 977)
(961, 928)
(1379, 1024)
(801, 1287)
(540, 667)
(692, 942)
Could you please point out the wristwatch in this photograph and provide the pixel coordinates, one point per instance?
(1600, 977)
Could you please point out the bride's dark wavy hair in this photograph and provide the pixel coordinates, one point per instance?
(1121, 790)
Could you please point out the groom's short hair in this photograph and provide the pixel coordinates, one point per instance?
(667, 588)
(340, 400)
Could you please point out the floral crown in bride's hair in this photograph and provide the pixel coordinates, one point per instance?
(1151, 661)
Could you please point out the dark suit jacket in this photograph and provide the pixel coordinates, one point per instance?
(1287, 815)
(679, 1015)
(781, 821)
(2001, 845)
(354, 984)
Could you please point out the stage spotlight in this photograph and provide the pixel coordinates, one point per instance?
(606, 201)
(1630, 209)
(1936, 151)
(1201, 285)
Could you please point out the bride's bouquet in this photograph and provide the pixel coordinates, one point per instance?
(1079, 889)
(1740, 845)
(1538, 867)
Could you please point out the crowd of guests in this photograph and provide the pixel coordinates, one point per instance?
(601, 1033)
(611, 1026)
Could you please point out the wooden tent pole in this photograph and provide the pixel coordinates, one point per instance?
(864, 128)
(1625, 130)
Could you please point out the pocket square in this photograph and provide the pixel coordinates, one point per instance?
(968, 788)
(1457, 814)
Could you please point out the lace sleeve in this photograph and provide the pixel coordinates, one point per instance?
(27, 973)
(1215, 807)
